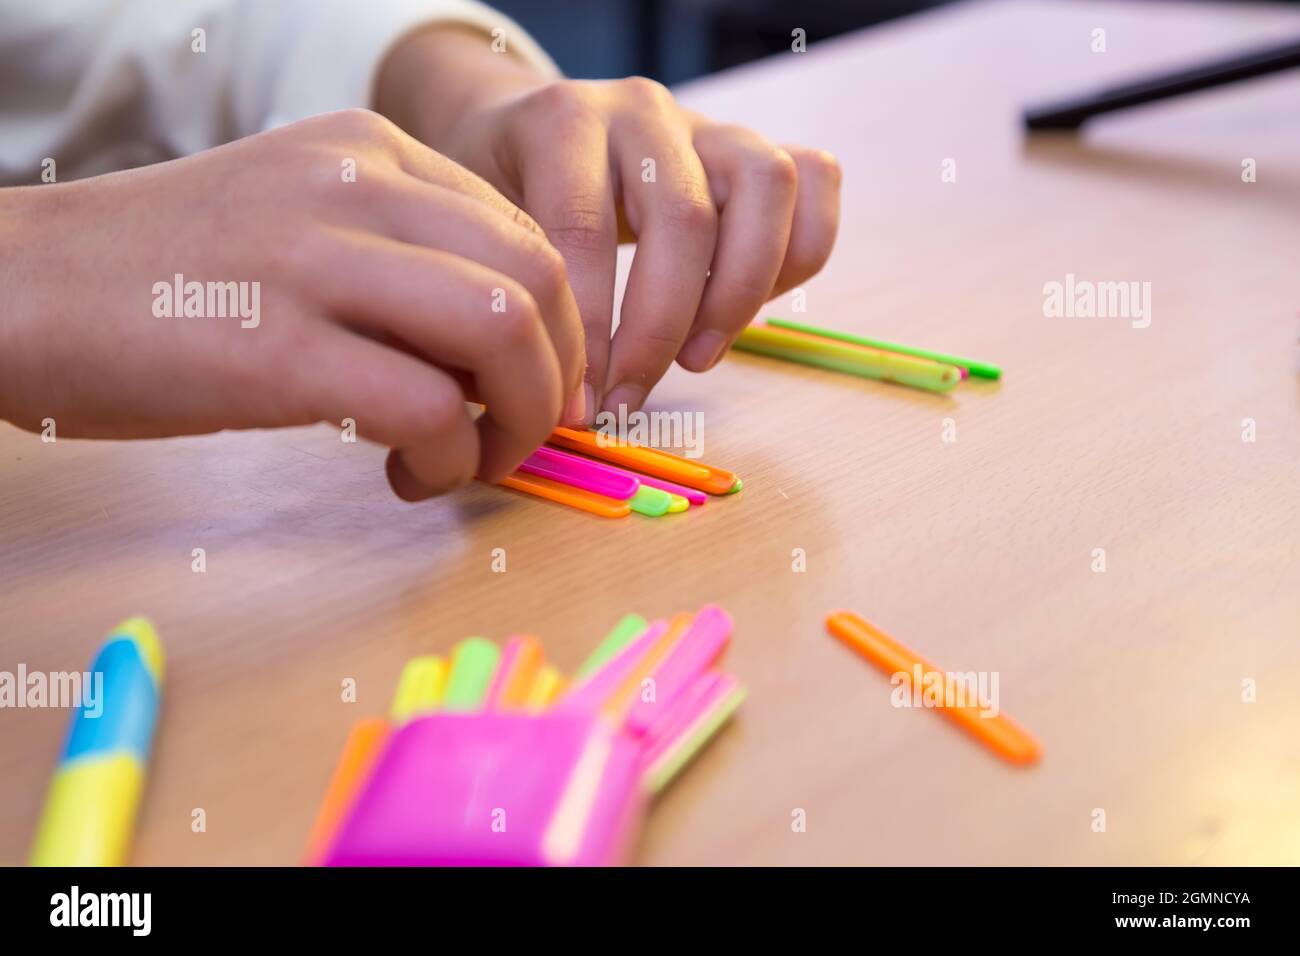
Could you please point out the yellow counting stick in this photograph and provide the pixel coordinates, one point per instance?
(547, 686)
(853, 359)
(419, 689)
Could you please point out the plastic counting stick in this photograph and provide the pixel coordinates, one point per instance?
(473, 662)
(699, 649)
(90, 810)
(364, 743)
(999, 732)
(699, 715)
(651, 461)
(420, 688)
(693, 496)
(651, 502)
(520, 661)
(975, 367)
(567, 495)
(581, 473)
(547, 686)
(589, 693)
(853, 359)
(629, 627)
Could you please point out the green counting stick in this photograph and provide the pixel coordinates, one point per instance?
(620, 637)
(473, 662)
(977, 369)
(652, 502)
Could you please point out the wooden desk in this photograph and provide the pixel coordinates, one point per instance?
(977, 552)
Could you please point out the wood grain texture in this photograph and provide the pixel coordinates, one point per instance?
(976, 552)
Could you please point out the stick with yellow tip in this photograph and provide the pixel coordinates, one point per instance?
(95, 794)
(547, 686)
(419, 689)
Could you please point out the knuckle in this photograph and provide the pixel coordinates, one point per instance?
(525, 221)
(363, 123)
(824, 164)
(775, 166)
(294, 249)
(581, 227)
(439, 417)
(644, 90)
(807, 259)
(549, 274)
(830, 165)
(564, 104)
(518, 324)
(280, 367)
(691, 212)
(747, 286)
(657, 341)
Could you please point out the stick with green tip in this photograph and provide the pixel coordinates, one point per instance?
(976, 368)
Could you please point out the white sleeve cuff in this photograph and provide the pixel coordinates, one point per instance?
(333, 63)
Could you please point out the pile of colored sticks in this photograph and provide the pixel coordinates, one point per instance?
(612, 478)
(493, 757)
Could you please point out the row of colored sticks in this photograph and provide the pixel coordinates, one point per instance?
(492, 757)
(612, 478)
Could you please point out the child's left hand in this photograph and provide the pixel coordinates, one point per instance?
(723, 219)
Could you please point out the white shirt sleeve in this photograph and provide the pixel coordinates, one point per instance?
(97, 85)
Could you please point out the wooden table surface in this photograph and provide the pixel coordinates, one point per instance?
(978, 552)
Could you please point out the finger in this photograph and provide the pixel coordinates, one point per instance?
(816, 217)
(675, 222)
(460, 315)
(424, 163)
(754, 183)
(568, 188)
(394, 398)
(435, 217)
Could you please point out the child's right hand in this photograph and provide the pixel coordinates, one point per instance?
(389, 300)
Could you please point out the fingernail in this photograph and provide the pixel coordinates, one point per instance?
(576, 407)
(589, 413)
(629, 395)
(703, 350)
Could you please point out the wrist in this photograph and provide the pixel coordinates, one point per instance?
(21, 222)
(441, 75)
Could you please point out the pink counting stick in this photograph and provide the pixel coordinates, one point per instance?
(591, 694)
(690, 494)
(682, 732)
(581, 473)
(695, 652)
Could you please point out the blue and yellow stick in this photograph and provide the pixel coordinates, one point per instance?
(91, 806)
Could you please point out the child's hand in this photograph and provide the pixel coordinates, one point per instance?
(577, 157)
(387, 297)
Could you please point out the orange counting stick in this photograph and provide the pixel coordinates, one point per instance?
(650, 461)
(521, 660)
(1000, 733)
(567, 495)
(364, 743)
(548, 685)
